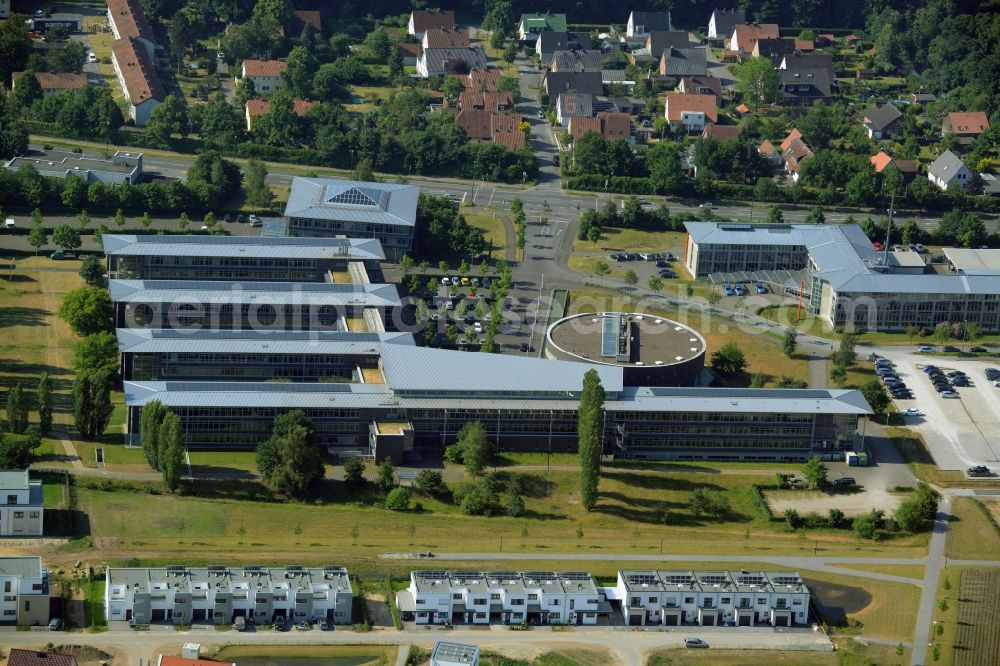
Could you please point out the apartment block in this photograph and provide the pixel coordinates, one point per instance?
(712, 598)
(22, 511)
(24, 584)
(183, 595)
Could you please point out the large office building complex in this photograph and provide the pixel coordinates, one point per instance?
(844, 279)
(332, 207)
(22, 509)
(24, 591)
(218, 595)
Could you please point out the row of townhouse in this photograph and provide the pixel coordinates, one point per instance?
(218, 595)
(24, 591)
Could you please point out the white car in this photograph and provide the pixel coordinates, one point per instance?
(706, 205)
(911, 412)
(91, 57)
(445, 281)
(925, 348)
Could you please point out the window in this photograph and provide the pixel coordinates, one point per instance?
(724, 600)
(532, 597)
(11, 499)
(6, 586)
(796, 602)
(456, 597)
(27, 606)
(480, 616)
(19, 514)
(554, 602)
(9, 612)
(761, 601)
(33, 514)
(495, 597)
(652, 600)
(689, 600)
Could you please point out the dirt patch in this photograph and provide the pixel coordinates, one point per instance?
(378, 610)
(834, 602)
(83, 652)
(817, 501)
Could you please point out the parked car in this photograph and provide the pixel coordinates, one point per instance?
(667, 273)
(707, 204)
(525, 347)
(662, 264)
(912, 412)
(978, 470)
(925, 348)
(950, 349)
(91, 57)
(695, 643)
(897, 248)
(728, 290)
(920, 248)
(741, 290)
(455, 281)
(978, 350)
(877, 246)
(992, 374)
(761, 289)
(540, 114)
(950, 394)
(844, 481)
(929, 367)
(55, 624)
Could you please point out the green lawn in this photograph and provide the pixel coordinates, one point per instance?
(493, 229)
(971, 536)
(614, 239)
(221, 460)
(849, 653)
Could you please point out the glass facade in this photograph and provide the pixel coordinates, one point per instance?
(261, 269)
(245, 367)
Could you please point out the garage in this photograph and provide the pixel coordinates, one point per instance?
(159, 615)
(199, 615)
(671, 619)
(781, 620)
(634, 620)
(745, 620)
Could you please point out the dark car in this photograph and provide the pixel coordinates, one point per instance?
(695, 643)
(662, 264)
(844, 481)
(961, 382)
(977, 350)
(929, 368)
(241, 218)
(978, 470)
(992, 374)
(525, 347)
(667, 274)
(229, 217)
(633, 256)
(951, 349)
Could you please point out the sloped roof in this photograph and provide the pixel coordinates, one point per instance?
(578, 126)
(690, 83)
(482, 79)
(577, 61)
(968, 122)
(807, 61)
(581, 82)
(880, 117)
(445, 38)
(793, 155)
(425, 19)
(56, 81)
(301, 17)
(18, 657)
(685, 62)
(489, 101)
(651, 20)
(818, 81)
(575, 104)
(677, 103)
(355, 201)
(547, 21)
(766, 148)
(130, 20)
(549, 41)
(775, 49)
(506, 130)
(727, 19)
(437, 59)
(259, 107)
(946, 166)
(476, 123)
(661, 40)
(615, 124)
(794, 134)
(262, 68)
(880, 161)
(804, 44)
(141, 80)
(721, 132)
(409, 49)
(748, 34)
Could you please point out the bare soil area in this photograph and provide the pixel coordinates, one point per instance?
(817, 501)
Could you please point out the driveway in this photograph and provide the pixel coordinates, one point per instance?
(959, 433)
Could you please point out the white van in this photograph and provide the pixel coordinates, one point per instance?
(9, 223)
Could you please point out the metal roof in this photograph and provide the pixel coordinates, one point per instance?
(273, 293)
(242, 246)
(261, 395)
(973, 261)
(154, 341)
(352, 201)
(788, 401)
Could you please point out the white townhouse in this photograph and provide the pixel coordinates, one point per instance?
(24, 591)
(22, 509)
(506, 597)
(217, 594)
(712, 598)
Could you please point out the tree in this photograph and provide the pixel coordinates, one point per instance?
(43, 401)
(631, 279)
(500, 19)
(513, 504)
(452, 87)
(775, 216)
(87, 310)
(37, 238)
(398, 499)
(17, 410)
(66, 237)
(300, 68)
(83, 220)
(845, 354)
(704, 500)
(866, 526)
(289, 461)
(279, 11)
(146, 221)
(18, 452)
(430, 482)
(92, 406)
(655, 283)
(97, 351)
(150, 422)
(815, 472)
(213, 179)
(789, 343)
(168, 117)
(25, 92)
(171, 441)
(386, 479)
(758, 81)
(259, 194)
(909, 516)
(220, 123)
(510, 52)
(815, 216)
(590, 433)
(729, 360)
(876, 396)
(92, 270)
(396, 65)
(379, 45)
(474, 447)
(354, 471)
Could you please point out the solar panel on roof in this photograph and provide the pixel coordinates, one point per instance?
(574, 575)
(609, 337)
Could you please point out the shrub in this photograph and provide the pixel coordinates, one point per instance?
(398, 499)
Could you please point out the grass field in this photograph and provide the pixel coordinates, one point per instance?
(947, 590)
(919, 459)
(203, 462)
(331, 655)
(789, 316)
(970, 534)
(906, 570)
(849, 653)
(493, 229)
(614, 239)
(891, 612)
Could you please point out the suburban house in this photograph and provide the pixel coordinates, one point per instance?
(611, 125)
(256, 108)
(690, 112)
(591, 83)
(122, 167)
(617, 76)
(264, 74)
(965, 124)
(424, 19)
(334, 207)
(531, 24)
(550, 42)
(50, 83)
(493, 102)
(580, 125)
(881, 121)
(641, 24)
(767, 149)
(18, 657)
(409, 52)
(657, 42)
(712, 598)
(303, 17)
(573, 105)
(773, 49)
(807, 61)
(577, 61)
(723, 21)
(948, 170)
(445, 38)
(882, 162)
(506, 130)
(804, 86)
(22, 511)
(138, 79)
(438, 62)
(183, 595)
(804, 45)
(923, 98)
(721, 132)
(700, 85)
(473, 597)
(744, 37)
(24, 583)
(482, 80)
(193, 649)
(128, 21)
(446, 653)
(794, 151)
(683, 62)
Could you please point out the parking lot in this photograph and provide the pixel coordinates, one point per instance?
(959, 433)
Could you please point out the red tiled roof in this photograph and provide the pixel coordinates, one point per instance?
(747, 35)
(60, 81)
(255, 68)
(301, 17)
(968, 122)
(409, 49)
(804, 45)
(476, 123)
(615, 125)
(743, 108)
(578, 126)
(490, 101)
(432, 18)
(766, 148)
(479, 80)
(141, 80)
(721, 132)
(677, 103)
(18, 657)
(880, 161)
(506, 128)
(258, 107)
(166, 660)
(441, 38)
(795, 153)
(792, 136)
(130, 20)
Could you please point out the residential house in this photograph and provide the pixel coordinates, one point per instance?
(745, 36)
(473, 597)
(690, 112)
(923, 98)
(531, 24)
(445, 38)
(494, 102)
(50, 83)
(804, 86)
(700, 85)
(712, 598)
(301, 18)
(804, 45)
(684, 62)
(482, 80)
(991, 184)
(409, 51)
(424, 19)
(183, 595)
(577, 61)
(794, 152)
(611, 77)
(19, 657)
(438, 62)
(122, 167)
(549, 42)
(138, 79)
(189, 648)
(573, 105)
(505, 129)
(792, 136)
(965, 124)
(723, 21)
(881, 121)
(852, 39)
(454, 654)
(774, 49)
(264, 74)
(128, 21)
(807, 61)
(615, 125)
(590, 83)
(22, 511)
(256, 108)
(24, 584)
(721, 132)
(882, 162)
(580, 125)
(948, 170)
(767, 149)
(641, 24)
(657, 42)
